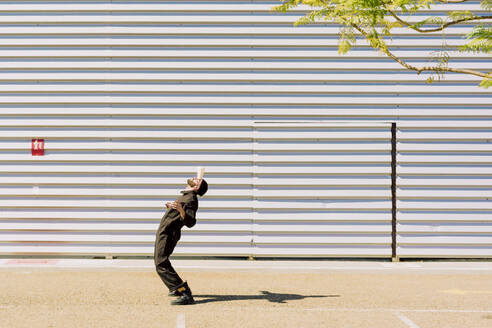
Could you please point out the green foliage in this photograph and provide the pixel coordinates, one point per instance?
(462, 14)
(347, 40)
(376, 20)
(486, 4)
(428, 21)
(481, 40)
(487, 82)
(441, 61)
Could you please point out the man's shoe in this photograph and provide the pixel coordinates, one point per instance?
(185, 299)
(184, 293)
(174, 293)
(179, 290)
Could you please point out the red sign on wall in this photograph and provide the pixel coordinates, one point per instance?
(37, 147)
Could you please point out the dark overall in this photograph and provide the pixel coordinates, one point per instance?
(168, 235)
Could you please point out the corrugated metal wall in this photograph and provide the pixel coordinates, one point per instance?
(445, 189)
(132, 96)
(322, 189)
(102, 185)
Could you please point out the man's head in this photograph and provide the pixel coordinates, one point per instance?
(198, 185)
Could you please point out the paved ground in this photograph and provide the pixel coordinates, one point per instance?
(103, 293)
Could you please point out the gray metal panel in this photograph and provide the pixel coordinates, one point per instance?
(100, 189)
(444, 190)
(305, 207)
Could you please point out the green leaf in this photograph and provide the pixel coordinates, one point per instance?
(429, 21)
(486, 4)
(481, 40)
(461, 14)
(343, 47)
(486, 83)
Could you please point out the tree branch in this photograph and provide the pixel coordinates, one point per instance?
(425, 68)
(442, 27)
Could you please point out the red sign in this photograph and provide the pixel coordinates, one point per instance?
(37, 147)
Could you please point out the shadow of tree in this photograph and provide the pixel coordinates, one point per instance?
(265, 295)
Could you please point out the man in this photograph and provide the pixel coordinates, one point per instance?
(179, 213)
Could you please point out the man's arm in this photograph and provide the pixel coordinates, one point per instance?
(187, 213)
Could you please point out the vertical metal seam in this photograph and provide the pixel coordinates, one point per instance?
(253, 219)
(393, 191)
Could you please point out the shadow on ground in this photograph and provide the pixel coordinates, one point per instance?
(265, 295)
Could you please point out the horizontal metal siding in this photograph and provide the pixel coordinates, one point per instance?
(95, 193)
(322, 190)
(126, 94)
(444, 190)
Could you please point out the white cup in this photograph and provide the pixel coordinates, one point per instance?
(200, 171)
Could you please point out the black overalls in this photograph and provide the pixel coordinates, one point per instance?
(168, 235)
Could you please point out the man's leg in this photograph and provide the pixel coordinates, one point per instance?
(164, 247)
(162, 264)
(168, 275)
(175, 284)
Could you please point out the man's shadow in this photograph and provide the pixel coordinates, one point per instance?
(265, 295)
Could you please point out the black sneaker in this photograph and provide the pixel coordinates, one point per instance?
(184, 299)
(174, 293)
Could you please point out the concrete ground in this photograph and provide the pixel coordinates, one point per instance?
(128, 293)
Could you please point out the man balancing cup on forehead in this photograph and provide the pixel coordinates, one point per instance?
(179, 213)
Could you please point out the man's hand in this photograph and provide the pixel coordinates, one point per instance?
(178, 207)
